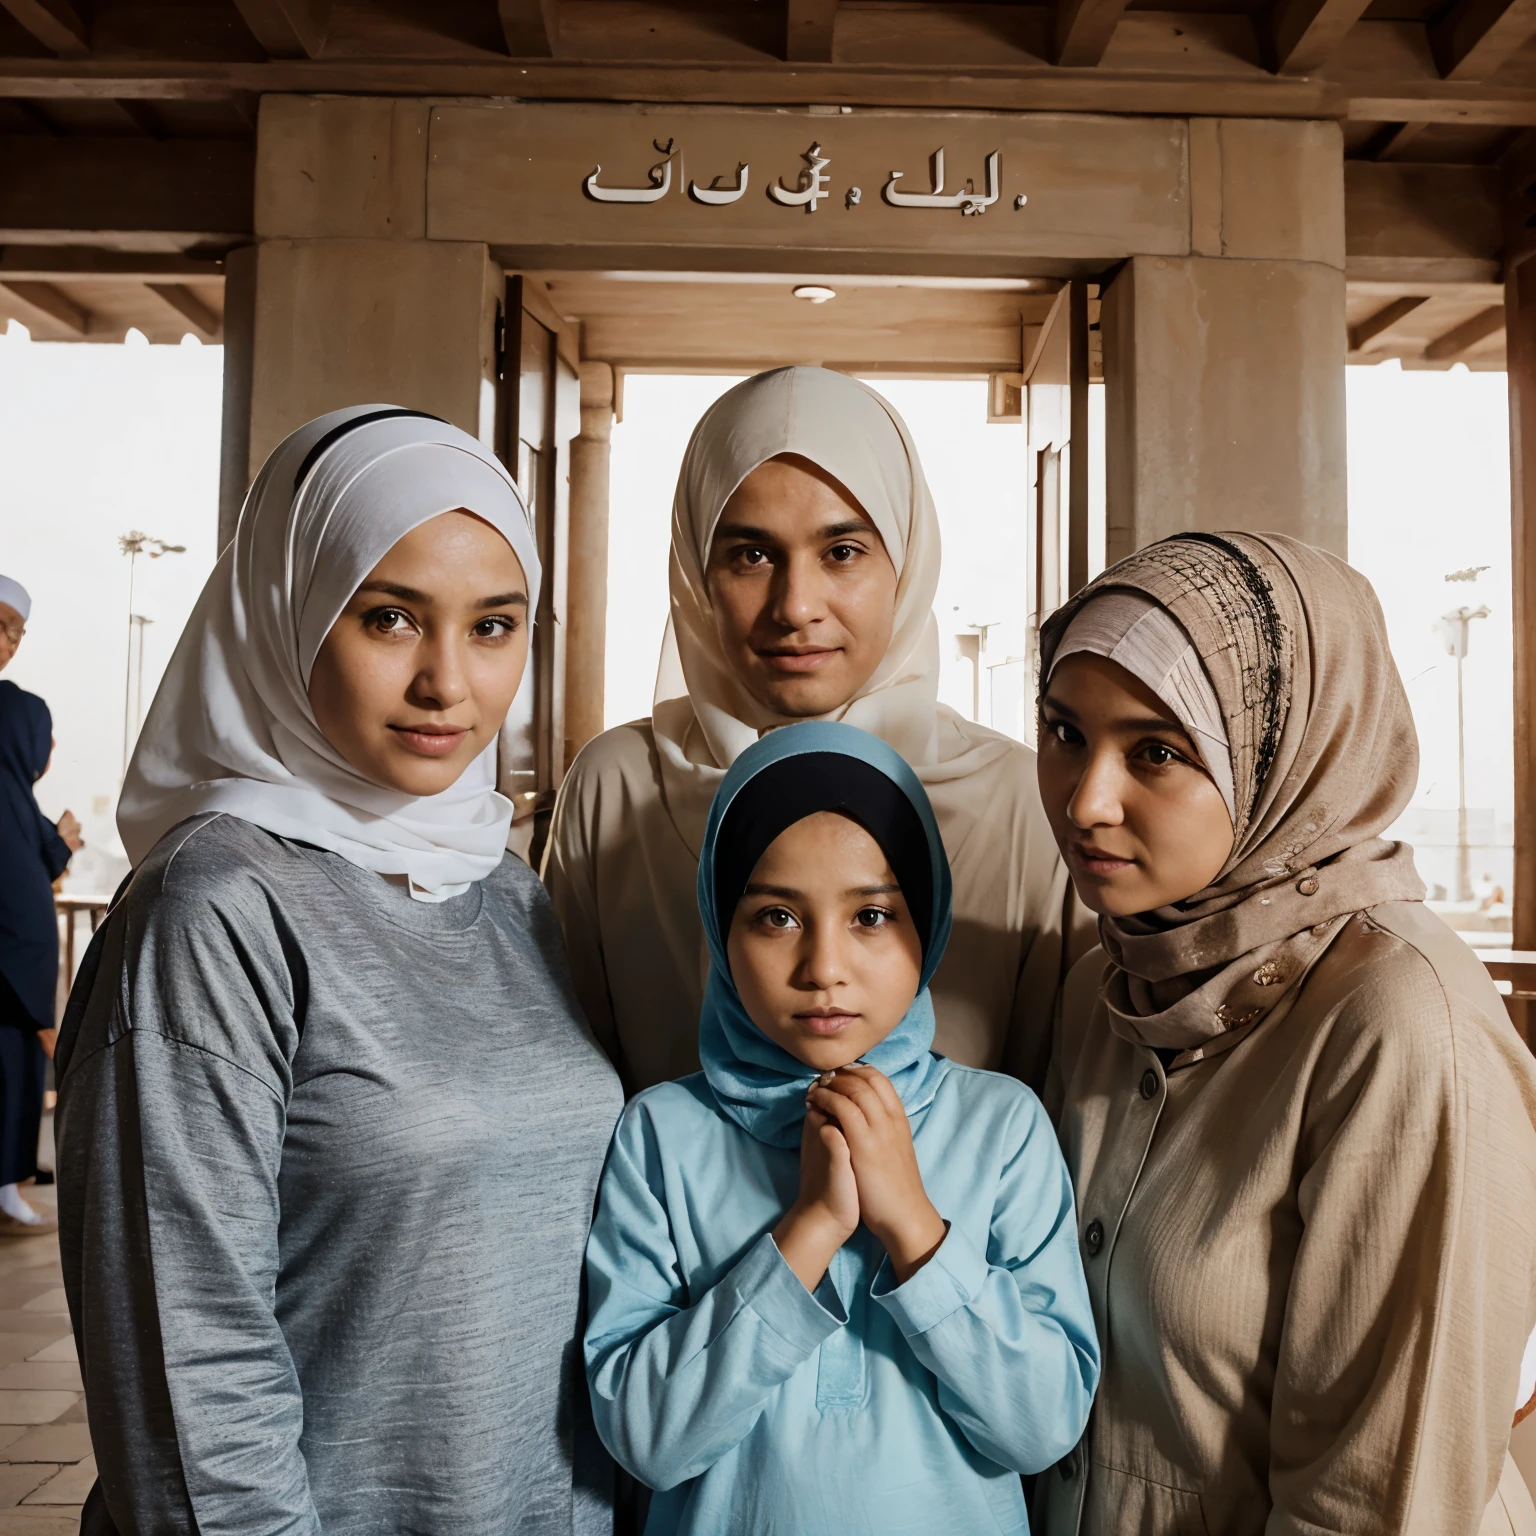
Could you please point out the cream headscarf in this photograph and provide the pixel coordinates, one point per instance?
(231, 727)
(1324, 756)
(703, 717)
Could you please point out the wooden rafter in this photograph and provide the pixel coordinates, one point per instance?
(1081, 30)
(1301, 35)
(56, 24)
(1474, 37)
(1392, 144)
(143, 117)
(1383, 321)
(186, 303)
(52, 302)
(287, 29)
(808, 31)
(71, 263)
(1466, 335)
(531, 27)
(35, 115)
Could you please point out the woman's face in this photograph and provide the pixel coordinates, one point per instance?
(822, 948)
(1138, 820)
(416, 676)
(802, 589)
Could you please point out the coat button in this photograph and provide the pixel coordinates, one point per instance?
(1067, 1466)
(1307, 885)
(1093, 1238)
(1149, 1084)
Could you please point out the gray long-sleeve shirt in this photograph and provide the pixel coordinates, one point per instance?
(327, 1159)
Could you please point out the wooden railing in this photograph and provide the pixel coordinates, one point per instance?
(69, 908)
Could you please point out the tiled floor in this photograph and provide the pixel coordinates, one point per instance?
(46, 1468)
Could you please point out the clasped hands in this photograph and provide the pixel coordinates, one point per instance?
(857, 1163)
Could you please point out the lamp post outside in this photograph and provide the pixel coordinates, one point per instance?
(133, 545)
(1455, 630)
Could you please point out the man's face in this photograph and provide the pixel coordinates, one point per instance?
(12, 628)
(802, 588)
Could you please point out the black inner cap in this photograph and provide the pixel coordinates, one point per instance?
(388, 414)
(796, 787)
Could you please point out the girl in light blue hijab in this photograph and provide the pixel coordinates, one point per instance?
(834, 1277)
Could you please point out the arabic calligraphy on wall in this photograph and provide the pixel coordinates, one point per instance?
(813, 185)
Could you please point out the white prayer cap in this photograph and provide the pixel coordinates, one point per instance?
(16, 595)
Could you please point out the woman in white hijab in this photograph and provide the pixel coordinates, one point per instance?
(330, 1124)
(799, 487)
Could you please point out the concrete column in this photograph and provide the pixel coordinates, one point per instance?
(587, 578)
(1224, 370)
(353, 304)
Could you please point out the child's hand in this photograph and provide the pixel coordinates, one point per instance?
(826, 1213)
(892, 1201)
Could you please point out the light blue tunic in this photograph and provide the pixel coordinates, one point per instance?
(871, 1408)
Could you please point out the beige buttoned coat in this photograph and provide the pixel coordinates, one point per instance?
(1311, 1251)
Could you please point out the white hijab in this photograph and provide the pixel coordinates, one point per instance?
(703, 717)
(231, 727)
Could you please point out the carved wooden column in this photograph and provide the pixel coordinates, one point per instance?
(587, 591)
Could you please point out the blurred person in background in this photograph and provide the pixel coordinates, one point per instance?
(15, 605)
(33, 854)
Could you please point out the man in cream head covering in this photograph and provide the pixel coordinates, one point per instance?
(15, 610)
(805, 559)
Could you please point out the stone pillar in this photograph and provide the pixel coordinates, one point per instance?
(353, 304)
(1224, 370)
(587, 579)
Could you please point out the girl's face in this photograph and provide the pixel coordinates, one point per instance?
(1138, 819)
(822, 948)
(802, 589)
(415, 678)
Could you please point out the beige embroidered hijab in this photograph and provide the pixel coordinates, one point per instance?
(703, 716)
(1324, 757)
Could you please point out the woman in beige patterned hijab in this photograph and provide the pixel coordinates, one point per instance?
(1302, 1130)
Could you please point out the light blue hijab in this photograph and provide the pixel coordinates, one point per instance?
(757, 1083)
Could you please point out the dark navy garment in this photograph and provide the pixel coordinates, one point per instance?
(32, 857)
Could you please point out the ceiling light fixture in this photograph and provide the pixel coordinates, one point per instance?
(816, 293)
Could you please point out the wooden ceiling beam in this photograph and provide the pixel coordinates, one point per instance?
(287, 29)
(531, 27)
(86, 189)
(1474, 37)
(1301, 35)
(1466, 335)
(52, 302)
(808, 29)
(83, 263)
(191, 308)
(1203, 66)
(1081, 30)
(1383, 321)
(1419, 224)
(56, 24)
(1041, 88)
